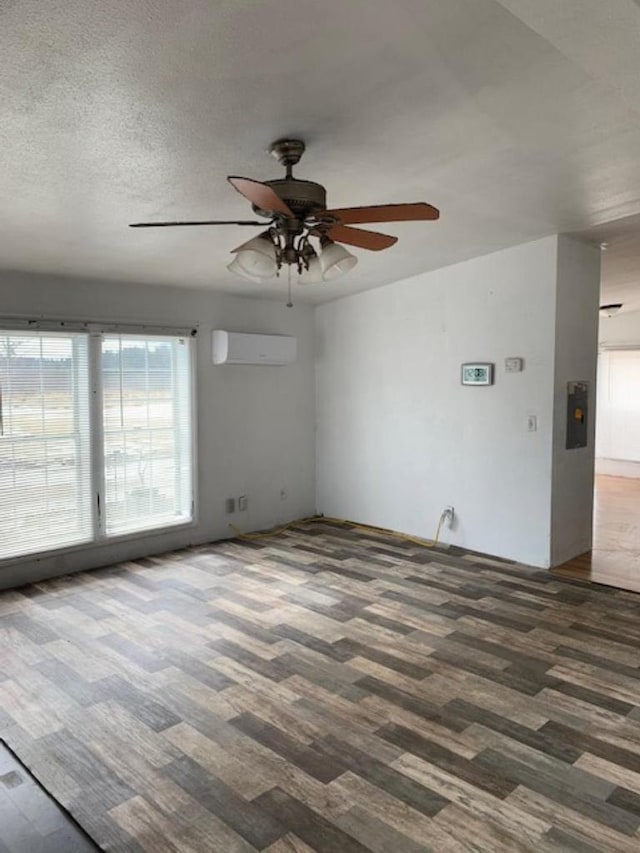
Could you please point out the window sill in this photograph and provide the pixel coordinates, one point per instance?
(98, 544)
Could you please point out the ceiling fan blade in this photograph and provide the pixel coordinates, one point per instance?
(202, 222)
(359, 237)
(385, 213)
(261, 195)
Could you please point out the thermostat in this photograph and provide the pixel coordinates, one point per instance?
(477, 373)
(513, 364)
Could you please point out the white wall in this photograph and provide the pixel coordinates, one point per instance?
(255, 424)
(577, 302)
(617, 467)
(621, 330)
(398, 437)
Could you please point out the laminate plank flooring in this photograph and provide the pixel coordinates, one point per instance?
(328, 689)
(615, 557)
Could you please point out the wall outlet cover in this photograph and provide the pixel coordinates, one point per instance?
(243, 502)
(230, 505)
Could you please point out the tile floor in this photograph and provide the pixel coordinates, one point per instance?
(30, 821)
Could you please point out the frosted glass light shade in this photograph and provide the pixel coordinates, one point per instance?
(257, 257)
(335, 261)
(236, 268)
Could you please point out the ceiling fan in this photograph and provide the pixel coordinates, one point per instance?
(295, 212)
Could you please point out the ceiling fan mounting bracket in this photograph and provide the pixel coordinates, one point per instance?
(287, 152)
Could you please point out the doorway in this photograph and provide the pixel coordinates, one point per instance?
(615, 556)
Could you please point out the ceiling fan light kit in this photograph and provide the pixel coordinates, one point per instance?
(237, 269)
(257, 257)
(312, 275)
(335, 260)
(297, 217)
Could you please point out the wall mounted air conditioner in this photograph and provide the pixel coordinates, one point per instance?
(242, 348)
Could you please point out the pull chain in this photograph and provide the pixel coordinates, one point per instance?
(290, 302)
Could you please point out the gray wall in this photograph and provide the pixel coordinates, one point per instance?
(255, 425)
(576, 334)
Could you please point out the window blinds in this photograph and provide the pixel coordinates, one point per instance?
(45, 457)
(618, 421)
(63, 483)
(147, 431)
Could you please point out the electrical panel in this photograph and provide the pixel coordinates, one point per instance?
(577, 410)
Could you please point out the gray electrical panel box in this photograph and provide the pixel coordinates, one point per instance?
(577, 410)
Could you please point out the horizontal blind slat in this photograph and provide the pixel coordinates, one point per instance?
(45, 465)
(146, 388)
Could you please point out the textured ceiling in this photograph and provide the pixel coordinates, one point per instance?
(620, 242)
(517, 118)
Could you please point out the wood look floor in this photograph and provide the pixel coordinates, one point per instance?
(328, 690)
(615, 558)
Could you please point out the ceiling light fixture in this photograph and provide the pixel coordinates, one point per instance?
(264, 256)
(236, 268)
(611, 309)
(312, 275)
(335, 260)
(256, 258)
(302, 234)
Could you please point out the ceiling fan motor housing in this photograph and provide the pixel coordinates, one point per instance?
(303, 197)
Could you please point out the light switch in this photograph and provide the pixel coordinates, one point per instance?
(532, 423)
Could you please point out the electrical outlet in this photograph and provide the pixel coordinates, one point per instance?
(283, 494)
(243, 502)
(449, 513)
(230, 505)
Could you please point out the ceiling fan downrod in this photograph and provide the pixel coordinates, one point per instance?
(288, 153)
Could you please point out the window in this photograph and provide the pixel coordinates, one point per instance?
(618, 420)
(64, 483)
(45, 461)
(147, 432)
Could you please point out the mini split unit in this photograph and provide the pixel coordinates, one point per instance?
(242, 348)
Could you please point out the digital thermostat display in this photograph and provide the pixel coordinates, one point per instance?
(477, 374)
